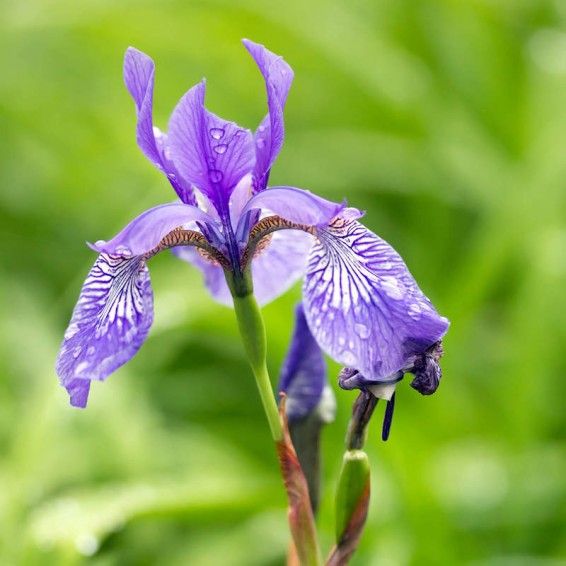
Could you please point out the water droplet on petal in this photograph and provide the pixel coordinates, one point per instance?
(172, 176)
(99, 243)
(348, 359)
(424, 306)
(124, 251)
(391, 287)
(77, 351)
(260, 142)
(362, 331)
(71, 331)
(81, 367)
(341, 341)
(415, 311)
(91, 351)
(215, 175)
(261, 129)
(216, 133)
(221, 148)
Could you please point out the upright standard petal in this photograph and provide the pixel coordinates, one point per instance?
(213, 154)
(139, 72)
(146, 231)
(270, 134)
(109, 324)
(362, 304)
(295, 205)
(303, 375)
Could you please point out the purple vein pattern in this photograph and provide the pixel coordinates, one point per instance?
(361, 304)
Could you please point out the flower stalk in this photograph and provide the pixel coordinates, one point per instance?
(252, 331)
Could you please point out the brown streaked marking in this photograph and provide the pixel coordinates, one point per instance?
(181, 237)
(265, 227)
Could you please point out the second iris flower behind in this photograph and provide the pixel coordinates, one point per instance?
(361, 304)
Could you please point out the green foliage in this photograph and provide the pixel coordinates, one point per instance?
(446, 121)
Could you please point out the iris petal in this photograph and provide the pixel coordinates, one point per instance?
(295, 205)
(213, 154)
(303, 375)
(110, 323)
(270, 134)
(139, 72)
(146, 231)
(362, 304)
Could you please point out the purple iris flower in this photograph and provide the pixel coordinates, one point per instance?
(361, 303)
(310, 401)
(303, 376)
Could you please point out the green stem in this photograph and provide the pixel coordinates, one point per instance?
(252, 330)
(269, 405)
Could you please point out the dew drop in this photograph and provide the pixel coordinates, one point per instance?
(77, 352)
(215, 175)
(260, 142)
(261, 129)
(124, 251)
(348, 359)
(362, 331)
(341, 341)
(172, 176)
(415, 311)
(391, 287)
(71, 331)
(424, 306)
(221, 148)
(99, 243)
(216, 133)
(91, 351)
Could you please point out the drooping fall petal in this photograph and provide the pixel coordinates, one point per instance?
(362, 304)
(110, 323)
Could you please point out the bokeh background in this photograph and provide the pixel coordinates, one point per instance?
(446, 121)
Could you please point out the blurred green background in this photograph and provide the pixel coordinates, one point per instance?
(446, 121)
